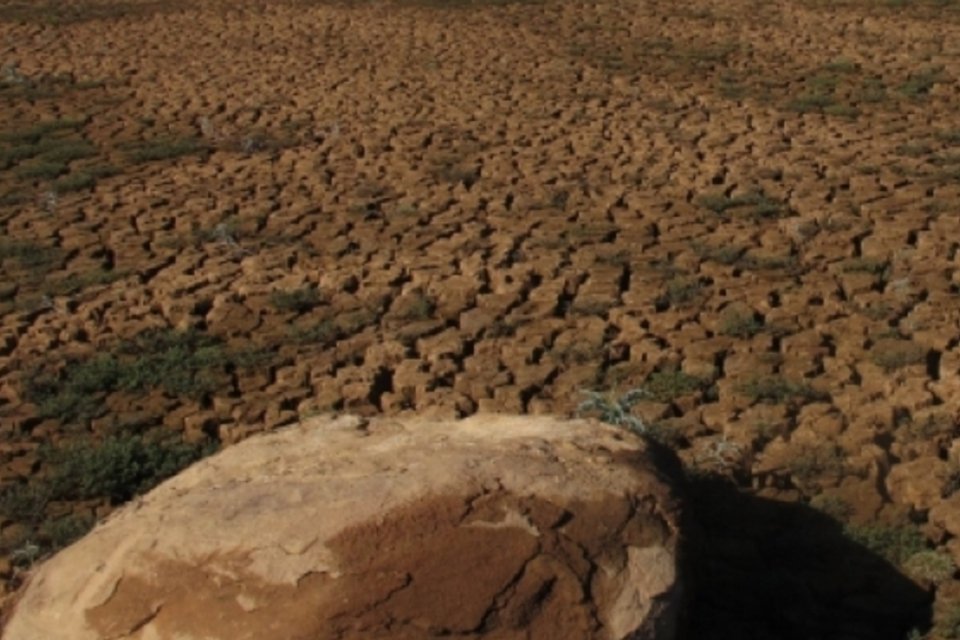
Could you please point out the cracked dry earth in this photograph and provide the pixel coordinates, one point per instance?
(220, 218)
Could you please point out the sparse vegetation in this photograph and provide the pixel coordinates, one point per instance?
(615, 410)
(755, 205)
(165, 149)
(832, 506)
(812, 463)
(726, 254)
(417, 306)
(894, 543)
(114, 470)
(188, 364)
(777, 390)
(739, 323)
(297, 300)
(681, 290)
(920, 83)
(866, 265)
(892, 353)
(930, 566)
(666, 386)
(29, 255)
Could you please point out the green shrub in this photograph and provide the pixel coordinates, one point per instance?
(930, 566)
(776, 390)
(832, 506)
(681, 290)
(117, 468)
(66, 151)
(165, 149)
(739, 324)
(755, 204)
(666, 386)
(56, 534)
(298, 300)
(79, 181)
(41, 170)
(892, 353)
(920, 83)
(894, 543)
(29, 255)
(33, 135)
(865, 265)
(188, 364)
(24, 502)
(615, 410)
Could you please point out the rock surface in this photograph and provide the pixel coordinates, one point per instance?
(492, 527)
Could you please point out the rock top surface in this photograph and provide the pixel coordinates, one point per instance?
(492, 527)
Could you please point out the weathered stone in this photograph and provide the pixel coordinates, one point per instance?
(493, 527)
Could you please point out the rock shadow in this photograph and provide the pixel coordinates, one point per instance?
(764, 569)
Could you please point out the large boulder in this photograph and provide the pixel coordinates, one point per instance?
(491, 527)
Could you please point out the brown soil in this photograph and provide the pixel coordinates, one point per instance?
(750, 208)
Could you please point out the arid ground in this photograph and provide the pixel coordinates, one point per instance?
(218, 217)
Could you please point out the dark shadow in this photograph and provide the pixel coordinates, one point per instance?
(763, 569)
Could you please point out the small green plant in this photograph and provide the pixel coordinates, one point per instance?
(837, 508)
(322, 332)
(26, 554)
(298, 300)
(755, 204)
(66, 151)
(165, 149)
(76, 282)
(666, 386)
(56, 534)
(914, 150)
(30, 255)
(727, 254)
(739, 323)
(79, 181)
(811, 102)
(894, 543)
(185, 364)
(891, 354)
(841, 65)
(41, 170)
(949, 136)
(865, 265)
(418, 306)
(114, 469)
(842, 111)
(919, 84)
(681, 290)
(777, 390)
(930, 566)
(24, 502)
(34, 134)
(615, 410)
(814, 462)
(117, 468)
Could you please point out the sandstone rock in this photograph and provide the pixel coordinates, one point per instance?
(493, 527)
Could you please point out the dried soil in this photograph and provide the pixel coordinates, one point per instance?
(751, 208)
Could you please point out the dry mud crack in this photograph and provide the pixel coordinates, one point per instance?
(220, 218)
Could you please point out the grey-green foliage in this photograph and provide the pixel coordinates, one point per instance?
(615, 410)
